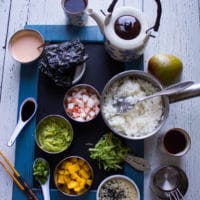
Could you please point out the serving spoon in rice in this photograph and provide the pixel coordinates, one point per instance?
(125, 103)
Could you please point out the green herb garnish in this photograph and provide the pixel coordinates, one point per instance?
(41, 170)
(109, 152)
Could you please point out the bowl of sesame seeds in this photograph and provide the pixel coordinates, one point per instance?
(118, 187)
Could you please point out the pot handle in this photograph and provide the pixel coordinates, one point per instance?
(190, 92)
(155, 27)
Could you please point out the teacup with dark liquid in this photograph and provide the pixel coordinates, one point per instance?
(175, 142)
(76, 11)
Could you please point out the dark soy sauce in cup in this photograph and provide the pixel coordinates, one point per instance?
(127, 27)
(75, 6)
(175, 142)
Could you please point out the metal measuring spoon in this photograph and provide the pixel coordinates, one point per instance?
(44, 186)
(128, 102)
(27, 111)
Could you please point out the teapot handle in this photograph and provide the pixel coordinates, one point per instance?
(155, 27)
(112, 5)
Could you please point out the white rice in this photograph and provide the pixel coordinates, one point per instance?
(143, 118)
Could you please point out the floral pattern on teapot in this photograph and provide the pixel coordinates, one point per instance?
(121, 54)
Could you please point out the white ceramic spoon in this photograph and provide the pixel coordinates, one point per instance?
(27, 111)
(45, 186)
(45, 189)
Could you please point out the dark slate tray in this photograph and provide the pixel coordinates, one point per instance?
(100, 68)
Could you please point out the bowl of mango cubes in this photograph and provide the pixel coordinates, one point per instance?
(73, 176)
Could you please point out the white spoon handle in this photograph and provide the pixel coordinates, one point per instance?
(45, 190)
(16, 132)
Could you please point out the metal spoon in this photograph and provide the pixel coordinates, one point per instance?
(27, 111)
(45, 186)
(128, 102)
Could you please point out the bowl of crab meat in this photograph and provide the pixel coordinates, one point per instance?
(82, 103)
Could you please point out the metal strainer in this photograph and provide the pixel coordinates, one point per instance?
(169, 182)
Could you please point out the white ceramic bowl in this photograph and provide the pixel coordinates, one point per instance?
(118, 187)
(25, 46)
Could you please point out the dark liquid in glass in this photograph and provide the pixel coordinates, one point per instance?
(127, 27)
(75, 6)
(174, 142)
(27, 110)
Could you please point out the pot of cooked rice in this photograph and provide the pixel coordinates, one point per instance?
(146, 118)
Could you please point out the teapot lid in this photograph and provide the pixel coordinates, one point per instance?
(127, 27)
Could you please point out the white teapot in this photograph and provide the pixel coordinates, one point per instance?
(126, 30)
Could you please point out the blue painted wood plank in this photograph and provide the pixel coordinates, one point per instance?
(24, 154)
(59, 33)
(28, 87)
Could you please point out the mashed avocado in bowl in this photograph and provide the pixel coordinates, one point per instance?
(54, 134)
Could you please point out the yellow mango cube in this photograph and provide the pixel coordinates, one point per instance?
(74, 160)
(81, 162)
(75, 176)
(66, 165)
(66, 172)
(89, 182)
(84, 174)
(86, 167)
(72, 184)
(61, 179)
(73, 168)
(78, 189)
(61, 172)
(82, 183)
(67, 179)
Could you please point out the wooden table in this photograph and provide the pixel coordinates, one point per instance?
(178, 35)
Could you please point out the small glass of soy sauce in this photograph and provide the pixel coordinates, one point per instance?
(175, 142)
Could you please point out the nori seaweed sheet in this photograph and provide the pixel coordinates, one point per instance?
(59, 61)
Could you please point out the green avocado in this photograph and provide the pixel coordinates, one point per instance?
(54, 134)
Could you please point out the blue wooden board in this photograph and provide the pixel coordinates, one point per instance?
(28, 87)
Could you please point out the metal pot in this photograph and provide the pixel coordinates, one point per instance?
(192, 91)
